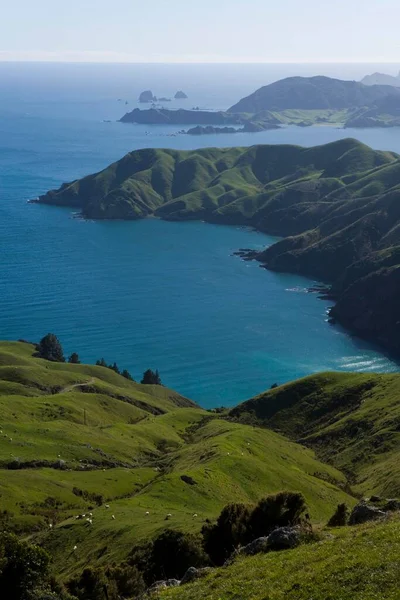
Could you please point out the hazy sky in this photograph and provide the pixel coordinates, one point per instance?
(201, 30)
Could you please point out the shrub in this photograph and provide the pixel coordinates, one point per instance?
(174, 552)
(168, 556)
(50, 348)
(230, 531)
(128, 580)
(280, 510)
(340, 516)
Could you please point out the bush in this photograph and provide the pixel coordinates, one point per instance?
(128, 580)
(280, 510)
(174, 552)
(230, 531)
(168, 556)
(50, 348)
(91, 585)
(340, 516)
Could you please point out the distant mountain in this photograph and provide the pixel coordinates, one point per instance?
(381, 79)
(338, 206)
(312, 93)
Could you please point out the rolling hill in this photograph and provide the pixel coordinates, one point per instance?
(311, 93)
(350, 420)
(337, 205)
(77, 439)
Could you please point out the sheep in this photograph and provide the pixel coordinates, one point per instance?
(75, 548)
(147, 513)
(113, 517)
(195, 515)
(50, 525)
(90, 514)
(90, 521)
(107, 506)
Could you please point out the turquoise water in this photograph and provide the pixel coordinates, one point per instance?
(150, 294)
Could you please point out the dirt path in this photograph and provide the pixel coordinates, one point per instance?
(69, 388)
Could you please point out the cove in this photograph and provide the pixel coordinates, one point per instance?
(170, 296)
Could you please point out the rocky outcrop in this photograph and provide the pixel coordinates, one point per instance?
(255, 547)
(364, 512)
(281, 538)
(192, 574)
(146, 97)
(180, 95)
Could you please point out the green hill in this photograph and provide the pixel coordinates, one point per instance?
(310, 93)
(350, 420)
(76, 438)
(337, 205)
(352, 563)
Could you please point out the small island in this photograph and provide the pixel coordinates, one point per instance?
(147, 97)
(180, 95)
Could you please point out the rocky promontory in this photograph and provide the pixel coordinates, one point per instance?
(157, 116)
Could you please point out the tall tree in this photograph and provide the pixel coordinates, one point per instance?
(50, 348)
(74, 359)
(151, 377)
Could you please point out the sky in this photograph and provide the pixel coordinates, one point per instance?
(201, 31)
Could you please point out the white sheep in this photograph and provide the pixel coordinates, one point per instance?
(113, 517)
(195, 515)
(90, 521)
(50, 525)
(147, 513)
(107, 506)
(90, 514)
(75, 548)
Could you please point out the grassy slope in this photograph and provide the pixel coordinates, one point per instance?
(135, 457)
(359, 563)
(350, 420)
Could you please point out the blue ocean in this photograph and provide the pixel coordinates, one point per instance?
(152, 294)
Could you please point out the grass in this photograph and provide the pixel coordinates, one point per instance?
(359, 563)
(351, 420)
(73, 450)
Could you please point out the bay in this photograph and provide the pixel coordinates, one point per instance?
(152, 294)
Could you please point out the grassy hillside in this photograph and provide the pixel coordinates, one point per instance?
(76, 438)
(359, 563)
(338, 206)
(350, 420)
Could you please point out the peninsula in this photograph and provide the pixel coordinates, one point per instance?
(337, 206)
(302, 101)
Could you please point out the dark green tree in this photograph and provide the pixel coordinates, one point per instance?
(101, 363)
(230, 531)
(50, 348)
(127, 375)
(23, 569)
(151, 378)
(74, 359)
(115, 368)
